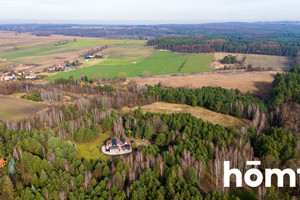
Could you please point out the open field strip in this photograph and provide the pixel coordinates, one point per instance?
(199, 112)
(105, 42)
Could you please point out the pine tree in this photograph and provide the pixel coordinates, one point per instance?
(192, 176)
(80, 134)
(148, 131)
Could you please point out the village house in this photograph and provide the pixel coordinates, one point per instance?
(117, 145)
(32, 76)
(61, 65)
(7, 77)
(20, 73)
(51, 68)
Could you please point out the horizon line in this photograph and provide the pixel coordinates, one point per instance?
(133, 22)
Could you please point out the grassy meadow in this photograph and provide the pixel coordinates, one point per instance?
(158, 63)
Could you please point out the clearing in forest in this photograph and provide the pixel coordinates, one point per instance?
(199, 112)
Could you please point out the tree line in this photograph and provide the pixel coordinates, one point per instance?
(196, 44)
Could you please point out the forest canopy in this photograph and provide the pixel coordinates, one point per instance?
(208, 44)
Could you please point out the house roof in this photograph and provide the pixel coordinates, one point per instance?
(61, 64)
(118, 142)
(2, 162)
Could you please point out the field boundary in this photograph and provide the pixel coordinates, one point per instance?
(182, 66)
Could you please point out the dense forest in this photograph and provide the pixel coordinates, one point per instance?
(286, 88)
(184, 156)
(200, 44)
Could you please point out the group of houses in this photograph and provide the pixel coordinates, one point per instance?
(116, 146)
(61, 67)
(16, 75)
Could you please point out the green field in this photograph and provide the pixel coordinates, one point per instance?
(158, 63)
(121, 55)
(39, 51)
(196, 63)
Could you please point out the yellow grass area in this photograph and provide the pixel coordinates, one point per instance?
(92, 150)
(14, 108)
(17, 95)
(199, 112)
(258, 83)
(264, 61)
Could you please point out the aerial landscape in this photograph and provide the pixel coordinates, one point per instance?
(112, 105)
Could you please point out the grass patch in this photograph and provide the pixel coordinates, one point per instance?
(92, 150)
(158, 63)
(198, 63)
(199, 112)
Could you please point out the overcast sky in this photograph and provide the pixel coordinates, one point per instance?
(145, 12)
